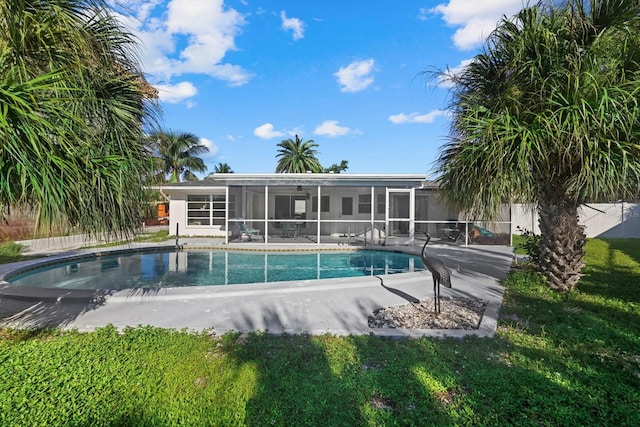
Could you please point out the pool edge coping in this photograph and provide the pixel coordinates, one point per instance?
(487, 327)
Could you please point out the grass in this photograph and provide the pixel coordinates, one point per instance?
(555, 360)
(10, 252)
(153, 237)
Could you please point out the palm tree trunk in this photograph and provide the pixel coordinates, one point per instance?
(562, 242)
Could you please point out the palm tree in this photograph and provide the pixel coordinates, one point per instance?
(548, 114)
(219, 168)
(74, 105)
(337, 168)
(297, 156)
(222, 168)
(178, 153)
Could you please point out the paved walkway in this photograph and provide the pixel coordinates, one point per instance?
(335, 306)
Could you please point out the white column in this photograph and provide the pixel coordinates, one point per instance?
(319, 213)
(373, 212)
(226, 218)
(412, 214)
(266, 214)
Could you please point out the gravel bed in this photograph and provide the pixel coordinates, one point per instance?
(455, 313)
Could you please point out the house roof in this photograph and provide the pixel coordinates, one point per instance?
(307, 179)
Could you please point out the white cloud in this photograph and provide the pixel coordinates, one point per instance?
(293, 24)
(176, 93)
(213, 149)
(266, 131)
(475, 19)
(188, 36)
(295, 131)
(234, 75)
(331, 129)
(356, 76)
(429, 117)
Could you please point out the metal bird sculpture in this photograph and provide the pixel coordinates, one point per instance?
(440, 273)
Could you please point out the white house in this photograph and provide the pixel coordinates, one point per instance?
(312, 207)
(353, 208)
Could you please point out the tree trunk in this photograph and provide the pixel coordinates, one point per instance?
(562, 243)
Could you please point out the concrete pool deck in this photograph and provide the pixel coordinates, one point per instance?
(333, 306)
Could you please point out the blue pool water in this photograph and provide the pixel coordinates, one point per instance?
(213, 268)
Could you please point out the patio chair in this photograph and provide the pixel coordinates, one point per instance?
(289, 229)
(249, 232)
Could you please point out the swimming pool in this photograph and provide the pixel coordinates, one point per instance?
(133, 270)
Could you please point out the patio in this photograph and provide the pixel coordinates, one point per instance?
(335, 306)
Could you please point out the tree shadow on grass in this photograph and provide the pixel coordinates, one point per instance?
(348, 381)
(579, 382)
(630, 247)
(405, 381)
(616, 277)
(296, 385)
(586, 341)
(614, 284)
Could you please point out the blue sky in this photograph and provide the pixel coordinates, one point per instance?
(245, 74)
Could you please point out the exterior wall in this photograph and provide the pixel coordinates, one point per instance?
(619, 220)
(426, 210)
(178, 218)
(339, 223)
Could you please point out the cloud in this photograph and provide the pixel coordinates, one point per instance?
(185, 36)
(356, 76)
(331, 129)
(266, 131)
(475, 19)
(429, 117)
(213, 149)
(234, 75)
(293, 24)
(176, 93)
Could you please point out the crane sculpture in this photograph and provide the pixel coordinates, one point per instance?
(440, 273)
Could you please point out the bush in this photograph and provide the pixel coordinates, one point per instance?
(530, 244)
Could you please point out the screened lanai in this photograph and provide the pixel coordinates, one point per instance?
(354, 209)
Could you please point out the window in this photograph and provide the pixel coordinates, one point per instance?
(364, 203)
(198, 210)
(290, 207)
(382, 203)
(205, 209)
(324, 203)
(219, 208)
(347, 206)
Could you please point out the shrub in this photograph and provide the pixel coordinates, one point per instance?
(530, 244)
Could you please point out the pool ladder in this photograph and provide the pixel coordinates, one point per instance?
(179, 247)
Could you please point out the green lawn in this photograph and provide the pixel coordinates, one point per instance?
(555, 361)
(10, 252)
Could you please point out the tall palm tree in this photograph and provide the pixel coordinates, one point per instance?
(178, 154)
(548, 114)
(297, 156)
(222, 168)
(74, 105)
(219, 168)
(337, 168)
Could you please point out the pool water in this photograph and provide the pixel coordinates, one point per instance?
(213, 268)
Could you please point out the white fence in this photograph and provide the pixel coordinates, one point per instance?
(620, 220)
